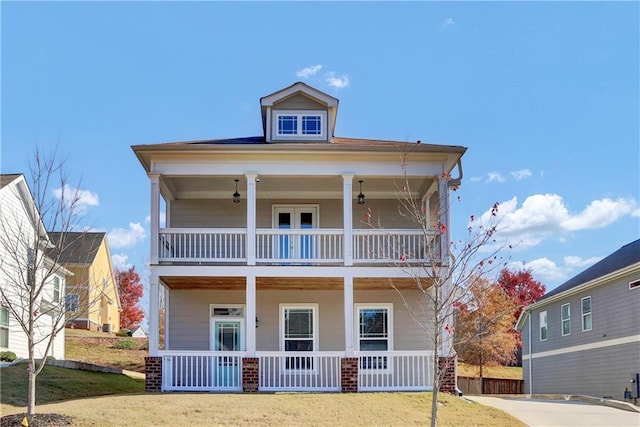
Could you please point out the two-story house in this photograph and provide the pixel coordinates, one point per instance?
(92, 300)
(267, 275)
(583, 337)
(27, 276)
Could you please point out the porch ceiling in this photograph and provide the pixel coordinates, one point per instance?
(289, 283)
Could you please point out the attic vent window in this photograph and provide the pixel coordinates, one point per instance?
(634, 285)
(300, 125)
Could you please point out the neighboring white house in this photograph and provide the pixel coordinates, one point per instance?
(270, 275)
(139, 333)
(583, 337)
(21, 229)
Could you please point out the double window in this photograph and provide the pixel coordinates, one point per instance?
(374, 323)
(565, 314)
(299, 124)
(543, 325)
(586, 314)
(299, 330)
(4, 327)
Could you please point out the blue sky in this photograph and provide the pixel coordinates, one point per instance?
(545, 96)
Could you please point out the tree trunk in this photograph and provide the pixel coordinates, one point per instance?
(481, 363)
(436, 387)
(31, 389)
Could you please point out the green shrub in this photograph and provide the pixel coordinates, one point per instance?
(126, 344)
(124, 332)
(7, 356)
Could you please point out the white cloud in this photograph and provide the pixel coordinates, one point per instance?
(82, 199)
(476, 179)
(307, 72)
(337, 82)
(545, 270)
(495, 177)
(120, 262)
(122, 238)
(521, 174)
(577, 262)
(545, 215)
(448, 21)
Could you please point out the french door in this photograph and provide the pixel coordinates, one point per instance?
(295, 245)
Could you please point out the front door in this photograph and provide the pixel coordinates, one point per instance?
(227, 336)
(294, 245)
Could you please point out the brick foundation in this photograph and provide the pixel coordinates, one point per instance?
(448, 377)
(349, 374)
(153, 374)
(250, 374)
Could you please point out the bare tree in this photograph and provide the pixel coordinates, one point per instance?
(443, 272)
(33, 277)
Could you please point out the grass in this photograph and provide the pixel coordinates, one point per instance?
(509, 372)
(317, 409)
(55, 384)
(97, 348)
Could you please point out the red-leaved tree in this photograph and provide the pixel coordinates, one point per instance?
(131, 291)
(523, 290)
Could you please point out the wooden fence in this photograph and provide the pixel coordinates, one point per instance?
(471, 385)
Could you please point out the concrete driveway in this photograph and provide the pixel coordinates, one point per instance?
(561, 413)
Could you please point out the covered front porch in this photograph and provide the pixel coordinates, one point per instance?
(273, 332)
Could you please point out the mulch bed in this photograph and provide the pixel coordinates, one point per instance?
(37, 420)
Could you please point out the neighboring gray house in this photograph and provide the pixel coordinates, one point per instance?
(583, 337)
(267, 277)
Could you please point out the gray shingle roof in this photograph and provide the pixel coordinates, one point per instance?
(625, 256)
(79, 248)
(6, 179)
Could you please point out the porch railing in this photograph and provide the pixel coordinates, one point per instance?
(201, 370)
(395, 370)
(300, 371)
(294, 246)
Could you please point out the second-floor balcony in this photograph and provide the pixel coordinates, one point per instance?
(296, 246)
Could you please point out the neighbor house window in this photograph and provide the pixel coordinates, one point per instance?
(634, 285)
(543, 325)
(299, 124)
(374, 324)
(31, 267)
(299, 328)
(565, 314)
(72, 302)
(56, 289)
(587, 321)
(4, 327)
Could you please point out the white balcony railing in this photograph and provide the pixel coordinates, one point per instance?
(395, 370)
(294, 246)
(300, 371)
(201, 370)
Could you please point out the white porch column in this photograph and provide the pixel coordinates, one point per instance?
(347, 213)
(447, 338)
(153, 314)
(251, 219)
(348, 315)
(155, 217)
(251, 314)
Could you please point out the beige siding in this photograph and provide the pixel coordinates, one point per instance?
(298, 102)
(224, 214)
(189, 322)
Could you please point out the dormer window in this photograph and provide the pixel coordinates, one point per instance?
(308, 124)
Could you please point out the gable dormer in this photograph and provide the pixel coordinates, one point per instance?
(298, 113)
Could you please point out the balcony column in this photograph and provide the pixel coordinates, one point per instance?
(251, 218)
(447, 338)
(155, 217)
(250, 297)
(154, 311)
(347, 213)
(348, 316)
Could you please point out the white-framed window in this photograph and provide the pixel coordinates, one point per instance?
(634, 284)
(298, 333)
(305, 124)
(542, 316)
(587, 319)
(565, 315)
(72, 303)
(374, 323)
(56, 289)
(4, 327)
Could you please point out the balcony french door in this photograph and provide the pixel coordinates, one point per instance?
(295, 218)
